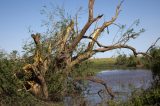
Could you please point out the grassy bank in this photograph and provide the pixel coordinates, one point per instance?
(99, 64)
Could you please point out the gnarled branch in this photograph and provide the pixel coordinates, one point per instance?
(81, 57)
(100, 81)
(99, 30)
(90, 21)
(66, 33)
(112, 47)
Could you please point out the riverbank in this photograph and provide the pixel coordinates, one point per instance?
(123, 84)
(99, 64)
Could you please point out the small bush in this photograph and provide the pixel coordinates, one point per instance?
(131, 61)
(121, 59)
(155, 66)
(11, 89)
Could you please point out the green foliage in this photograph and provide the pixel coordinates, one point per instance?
(99, 64)
(149, 97)
(145, 61)
(59, 85)
(12, 92)
(131, 61)
(55, 86)
(121, 59)
(155, 66)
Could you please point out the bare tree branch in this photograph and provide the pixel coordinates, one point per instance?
(66, 33)
(99, 30)
(81, 57)
(107, 48)
(87, 54)
(82, 33)
(106, 24)
(89, 37)
(90, 21)
(153, 45)
(100, 81)
(76, 23)
(112, 47)
(90, 5)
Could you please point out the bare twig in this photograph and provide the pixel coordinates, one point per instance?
(99, 30)
(153, 45)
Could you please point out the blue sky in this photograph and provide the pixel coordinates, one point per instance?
(16, 16)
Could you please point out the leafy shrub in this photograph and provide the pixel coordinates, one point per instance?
(121, 59)
(155, 66)
(131, 61)
(127, 61)
(145, 61)
(11, 89)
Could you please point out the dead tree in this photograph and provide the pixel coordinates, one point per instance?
(63, 50)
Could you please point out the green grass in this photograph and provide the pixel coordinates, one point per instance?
(103, 63)
(99, 64)
(96, 65)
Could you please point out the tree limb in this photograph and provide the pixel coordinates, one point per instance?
(90, 5)
(112, 47)
(104, 48)
(87, 54)
(89, 37)
(81, 57)
(153, 45)
(100, 81)
(66, 34)
(99, 30)
(90, 21)
(106, 24)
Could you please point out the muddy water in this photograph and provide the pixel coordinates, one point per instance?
(122, 82)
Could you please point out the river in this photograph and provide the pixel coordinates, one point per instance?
(122, 82)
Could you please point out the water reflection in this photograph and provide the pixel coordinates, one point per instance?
(123, 83)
